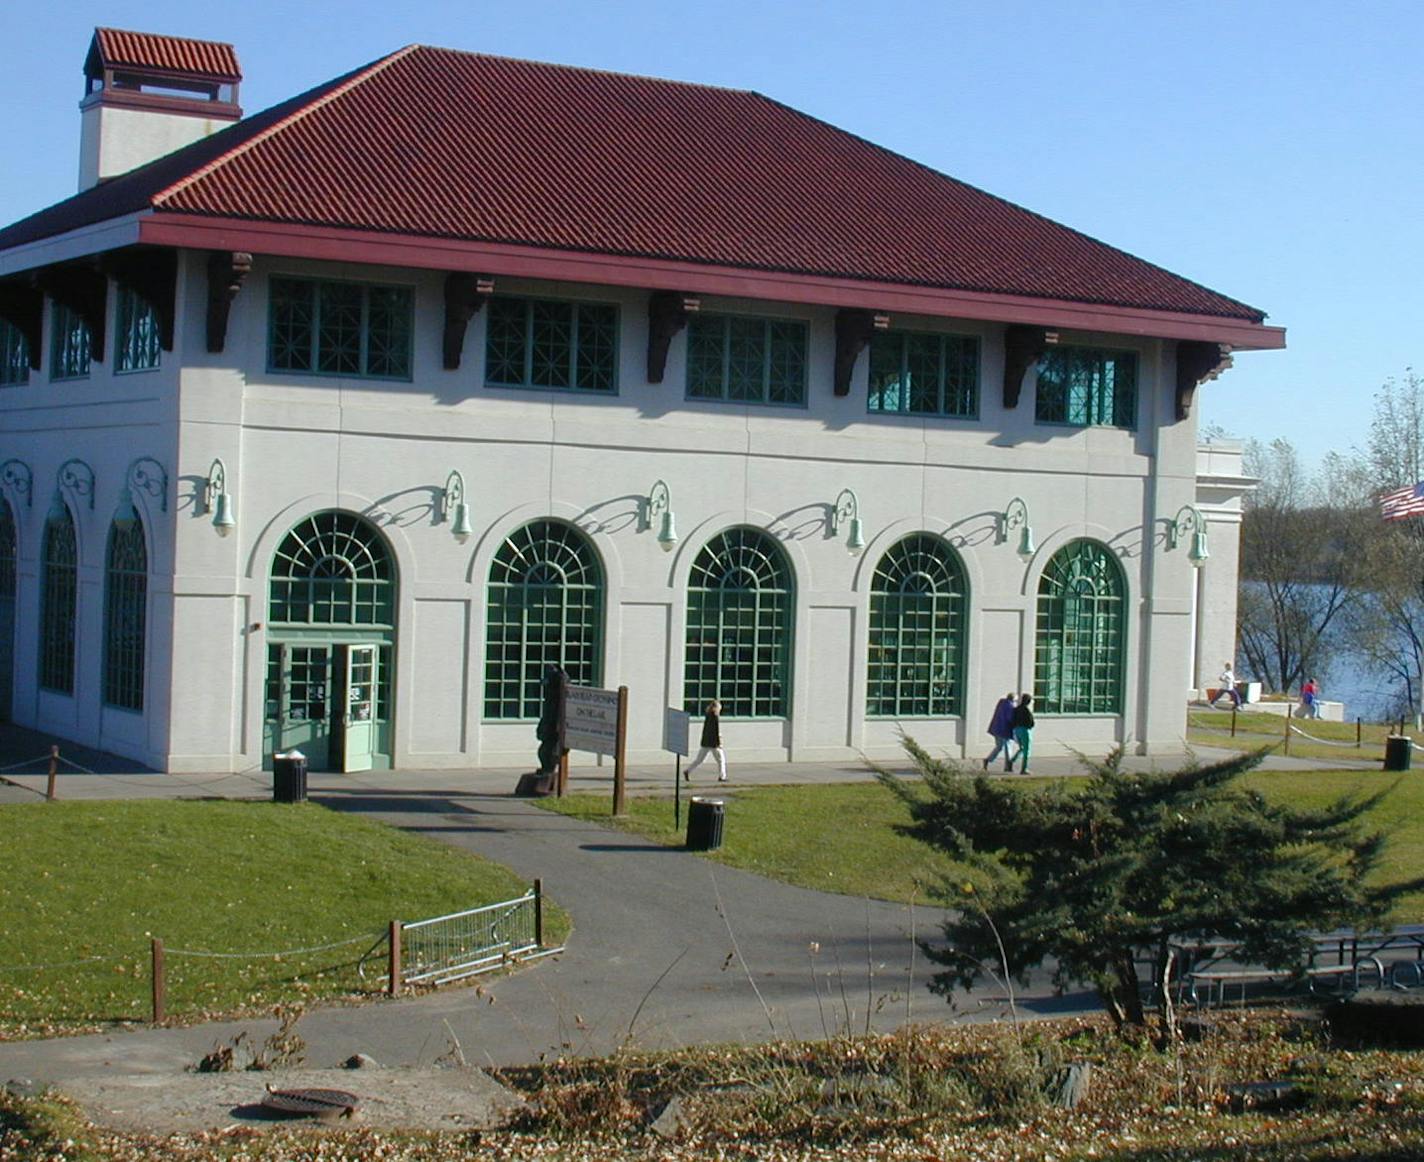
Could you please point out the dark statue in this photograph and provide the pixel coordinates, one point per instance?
(550, 733)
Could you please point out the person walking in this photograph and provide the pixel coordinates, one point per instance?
(1228, 685)
(1023, 733)
(1310, 699)
(711, 743)
(1001, 729)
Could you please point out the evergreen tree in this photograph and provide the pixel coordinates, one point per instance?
(1102, 875)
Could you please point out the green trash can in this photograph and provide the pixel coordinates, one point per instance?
(1397, 748)
(704, 823)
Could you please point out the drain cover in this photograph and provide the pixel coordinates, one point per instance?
(312, 1103)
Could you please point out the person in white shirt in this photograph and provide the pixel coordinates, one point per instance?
(1228, 685)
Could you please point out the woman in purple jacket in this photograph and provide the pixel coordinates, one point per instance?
(1001, 729)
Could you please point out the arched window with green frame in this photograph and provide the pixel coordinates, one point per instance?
(333, 568)
(544, 608)
(915, 664)
(9, 558)
(59, 601)
(739, 626)
(125, 614)
(1081, 632)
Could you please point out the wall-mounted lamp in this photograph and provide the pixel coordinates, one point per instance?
(847, 509)
(1189, 520)
(217, 501)
(75, 475)
(148, 476)
(453, 508)
(658, 505)
(16, 475)
(1015, 516)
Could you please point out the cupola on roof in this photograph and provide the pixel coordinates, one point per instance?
(113, 48)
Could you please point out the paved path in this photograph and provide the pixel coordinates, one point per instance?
(669, 948)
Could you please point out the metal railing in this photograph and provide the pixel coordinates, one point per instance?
(448, 948)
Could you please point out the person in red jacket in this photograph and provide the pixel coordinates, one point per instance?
(711, 743)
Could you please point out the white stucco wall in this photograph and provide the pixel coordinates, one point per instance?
(114, 140)
(294, 445)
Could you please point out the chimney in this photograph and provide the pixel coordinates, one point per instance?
(147, 95)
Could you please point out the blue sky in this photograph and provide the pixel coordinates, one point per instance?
(1274, 152)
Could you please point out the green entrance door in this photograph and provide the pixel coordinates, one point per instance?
(328, 701)
(353, 729)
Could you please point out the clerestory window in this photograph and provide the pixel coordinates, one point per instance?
(340, 328)
(1087, 387)
(739, 359)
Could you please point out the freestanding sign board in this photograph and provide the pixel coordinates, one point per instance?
(597, 720)
(677, 730)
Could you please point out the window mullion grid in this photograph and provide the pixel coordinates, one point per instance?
(363, 344)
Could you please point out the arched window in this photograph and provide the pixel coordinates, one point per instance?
(125, 614)
(545, 608)
(8, 556)
(739, 627)
(333, 568)
(59, 596)
(917, 604)
(1078, 654)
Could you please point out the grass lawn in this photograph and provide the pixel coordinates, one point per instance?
(1255, 729)
(88, 884)
(842, 837)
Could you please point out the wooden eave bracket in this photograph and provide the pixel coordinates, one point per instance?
(465, 295)
(227, 269)
(668, 312)
(1023, 347)
(854, 329)
(152, 274)
(85, 291)
(1197, 362)
(22, 306)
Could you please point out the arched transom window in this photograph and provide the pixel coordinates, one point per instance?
(1078, 655)
(739, 627)
(125, 614)
(59, 596)
(916, 656)
(333, 568)
(545, 609)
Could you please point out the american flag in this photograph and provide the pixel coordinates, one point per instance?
(1402, 502)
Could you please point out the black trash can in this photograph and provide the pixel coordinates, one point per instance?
(289, 777)
(1397, 752)
(704, 823)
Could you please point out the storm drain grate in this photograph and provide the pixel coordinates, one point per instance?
(312, 1103)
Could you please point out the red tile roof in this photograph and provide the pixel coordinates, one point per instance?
(115, 49)
(443, 144)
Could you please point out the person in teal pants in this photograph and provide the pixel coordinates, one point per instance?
(1023, 733)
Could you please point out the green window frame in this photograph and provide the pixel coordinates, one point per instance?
(918, 602)
(14, 355)
(924, 373)
(551, 344)
(1087, 387)
(125, 615)
(59, 600)
(69, 344)
(740, 611)
(333, 568)
(138, 342)
(744, 359)
(353, 329)
(544, 608)
(1081, 632)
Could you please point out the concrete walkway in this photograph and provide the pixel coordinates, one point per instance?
(669, 948)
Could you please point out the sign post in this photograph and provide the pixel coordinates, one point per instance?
(677, 726)
(597, 720)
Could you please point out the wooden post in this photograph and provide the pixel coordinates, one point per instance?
(620, 768)
(563, 775)
(539, 913)
(1233, 720)
(159, 985)
(53, 771)
(1288, 726)
(393, 949)
(1359, 735)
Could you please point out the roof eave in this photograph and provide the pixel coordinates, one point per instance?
(513, 261)
(83, 242)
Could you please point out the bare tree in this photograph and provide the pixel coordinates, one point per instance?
(1302, 564)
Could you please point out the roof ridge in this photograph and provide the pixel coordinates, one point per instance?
(296, 115)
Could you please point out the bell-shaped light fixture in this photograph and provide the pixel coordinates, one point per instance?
(1015, 516)
(217, 501)
(658, 503)
(125, 516)
(456, 511)
(846, 511)
(1189, 519)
